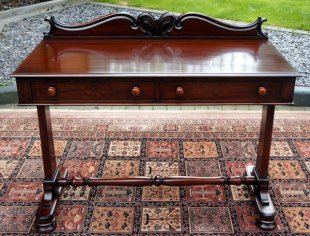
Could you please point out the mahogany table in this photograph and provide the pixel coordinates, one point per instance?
(120, 59)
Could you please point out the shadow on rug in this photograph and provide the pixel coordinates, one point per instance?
(151, 143)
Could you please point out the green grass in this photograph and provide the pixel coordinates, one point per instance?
(293, 14)
(4, 83)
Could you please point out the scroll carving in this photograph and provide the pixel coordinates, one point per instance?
(146, 25)
(152, 27)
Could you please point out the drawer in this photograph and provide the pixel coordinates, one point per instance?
(95, 91)
(221, 91)
(160, 91)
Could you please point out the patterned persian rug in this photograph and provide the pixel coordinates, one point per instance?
(97, 143)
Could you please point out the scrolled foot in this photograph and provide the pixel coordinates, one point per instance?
(265, 225)
(45, 221)
(266, 213)
(45, 227)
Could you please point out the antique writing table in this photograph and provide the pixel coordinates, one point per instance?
(122, 59)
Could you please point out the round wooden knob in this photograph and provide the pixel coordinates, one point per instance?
(51, 91)
(135, 91)
(262, 91)
(179, 91)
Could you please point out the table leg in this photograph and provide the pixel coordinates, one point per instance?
(266, 210)
(45, 216)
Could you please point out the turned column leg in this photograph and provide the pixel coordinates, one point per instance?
(45, 216)
(266, 211)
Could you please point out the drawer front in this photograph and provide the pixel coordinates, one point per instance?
(224, 91)
(154, 91)
(83, 91)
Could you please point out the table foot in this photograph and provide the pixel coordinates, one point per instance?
(45, 221)
(266, 211)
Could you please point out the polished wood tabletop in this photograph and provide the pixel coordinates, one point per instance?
(192, 57)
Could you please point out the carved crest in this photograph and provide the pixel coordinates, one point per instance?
(146, 25)
(152, 27)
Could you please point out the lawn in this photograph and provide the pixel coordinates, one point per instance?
(293, 14)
